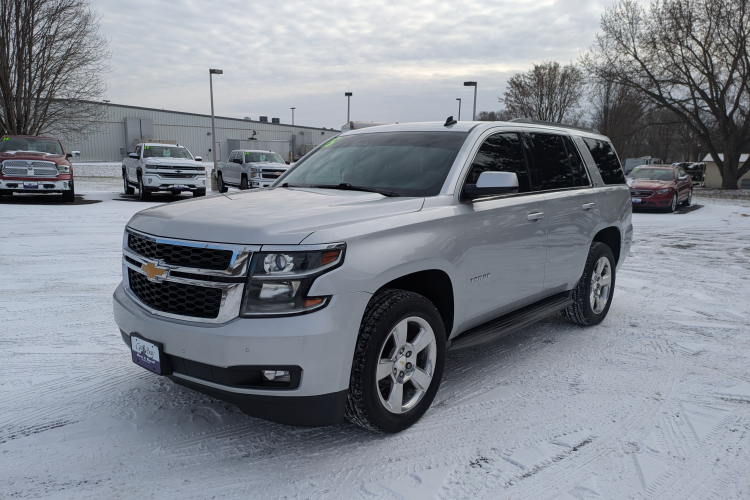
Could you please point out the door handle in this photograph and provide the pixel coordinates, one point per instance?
(535, 216)
(588, 206)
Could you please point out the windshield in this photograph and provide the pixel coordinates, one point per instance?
(406, 163)
(50, 146)
(166, 152)
(654, 174)
(253, 157)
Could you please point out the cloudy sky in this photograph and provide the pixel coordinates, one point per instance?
(403, 60)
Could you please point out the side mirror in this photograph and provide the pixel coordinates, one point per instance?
(133, 156)
(492, 184)
(238, 160)
(76, 154)
(682, 178)
(198, 158)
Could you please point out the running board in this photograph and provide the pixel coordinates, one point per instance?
(499, 327)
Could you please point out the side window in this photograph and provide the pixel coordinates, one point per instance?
(606, 160)
(551, 161)
(681, 173)
(138, 151)
(501, 153)
(232, 156)
(580, 174)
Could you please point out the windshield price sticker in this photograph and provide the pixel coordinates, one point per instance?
(330, 142)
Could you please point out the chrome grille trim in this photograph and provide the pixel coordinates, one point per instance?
(30, 168)
(231, 292)
(641, 193)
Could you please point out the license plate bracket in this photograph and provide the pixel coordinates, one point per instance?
(149, 355)
(31, 185)
(636, 200)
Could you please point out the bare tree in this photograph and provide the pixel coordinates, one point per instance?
(494, 116)
(547, 92)
(689, 57)
(52, 62)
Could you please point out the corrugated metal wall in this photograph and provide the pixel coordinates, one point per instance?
(190, 130)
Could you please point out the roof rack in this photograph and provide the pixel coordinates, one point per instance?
(542, 122)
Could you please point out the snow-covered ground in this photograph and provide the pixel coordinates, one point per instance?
(652, 403)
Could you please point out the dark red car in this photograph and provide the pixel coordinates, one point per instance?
(32, 164)
(660, 187)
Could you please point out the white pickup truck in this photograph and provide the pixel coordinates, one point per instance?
(249, 168)
(163, 167)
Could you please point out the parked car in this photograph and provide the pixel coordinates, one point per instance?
(33, 164)
(696, 171)
(248, 168)
(660, 186)
(156, 167)
(336, 292)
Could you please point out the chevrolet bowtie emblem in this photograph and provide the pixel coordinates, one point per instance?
(152, 271)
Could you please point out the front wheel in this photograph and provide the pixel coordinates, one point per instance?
(220, 183)
(142, 193)
(689, 199)
(127, 188)
(592, 296)
(243, 183)
(398, 362)
(673, 204)
(69, 196)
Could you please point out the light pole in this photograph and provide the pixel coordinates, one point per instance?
(459, 108)
(348, 104)
(212, 72)
(292, 115)
(473, 84)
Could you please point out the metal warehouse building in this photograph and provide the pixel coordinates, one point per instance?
(123, 126)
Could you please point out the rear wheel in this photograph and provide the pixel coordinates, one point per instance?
(142, 193)
(592, 295)
(398, 362)
(243, 182)
(220, 183)
(673, 204)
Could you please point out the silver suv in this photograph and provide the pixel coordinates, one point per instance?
(336, 292)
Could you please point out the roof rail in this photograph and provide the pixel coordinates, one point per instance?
(542, 122)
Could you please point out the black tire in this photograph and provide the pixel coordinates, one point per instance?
(673, 205)
(69, 196)
(127, 188)
(175, 192)
(142, 193)
(220, 183)
(582, 312)
(243, 182)
(689, 200)
(199, 193)
(385, 310)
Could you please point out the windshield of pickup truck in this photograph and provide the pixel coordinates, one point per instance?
(50, 146)
(654, 174)
(262, 158)
(403, 163)
(166, 152)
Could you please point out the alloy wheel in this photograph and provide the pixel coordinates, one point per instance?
(601, 283)
(406, 365)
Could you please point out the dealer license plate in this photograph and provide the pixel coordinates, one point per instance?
(146, 354)
(179, 186)
(30, 185)
(636, 200)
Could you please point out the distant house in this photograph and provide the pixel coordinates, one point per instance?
(713, 176)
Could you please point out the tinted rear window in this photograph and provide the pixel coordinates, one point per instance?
(606, 160)
(551, 161)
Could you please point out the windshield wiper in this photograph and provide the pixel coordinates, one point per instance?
(345, 186)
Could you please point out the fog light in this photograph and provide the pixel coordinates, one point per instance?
(277, 375)
(149, 181)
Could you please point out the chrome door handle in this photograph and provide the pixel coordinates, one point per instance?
(535, 216)
(588, 206)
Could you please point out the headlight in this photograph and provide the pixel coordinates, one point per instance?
(254, 170)
(663, 191)
(152, 167)
(279, 280)
(63, 169)
(202, 168)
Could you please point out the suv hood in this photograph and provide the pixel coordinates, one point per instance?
(32, 155)
(171, 161)
(281, 216)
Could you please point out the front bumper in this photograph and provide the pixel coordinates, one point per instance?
(24, 185)
(654, 201)
(158, 182)
(320, 343)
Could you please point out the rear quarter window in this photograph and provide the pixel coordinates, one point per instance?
(606, 160)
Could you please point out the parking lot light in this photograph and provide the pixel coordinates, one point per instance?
(348, 104)
(473, 84)
(211, 73)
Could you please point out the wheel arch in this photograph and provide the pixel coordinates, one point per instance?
(611, 237)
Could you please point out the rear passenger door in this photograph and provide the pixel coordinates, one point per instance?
(571, 211)
(505, 236)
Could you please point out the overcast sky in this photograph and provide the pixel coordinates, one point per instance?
(403, 60)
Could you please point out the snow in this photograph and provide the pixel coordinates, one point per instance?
(652, 403)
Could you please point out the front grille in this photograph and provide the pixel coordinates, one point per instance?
(178, 255)
(46, 172)
(271, 174)
(15, 163)
(176, 298)
(14, 170)
(641, 193)
(21, 167)
(176, 176)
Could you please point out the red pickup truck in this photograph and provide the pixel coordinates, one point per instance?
(32, 164)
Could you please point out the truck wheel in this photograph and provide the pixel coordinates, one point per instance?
(593, 294)
(220, 182)
(398, 362)
(127, 188)
(689, 199)
(243, 182)
(142, 193)
(69, 196)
